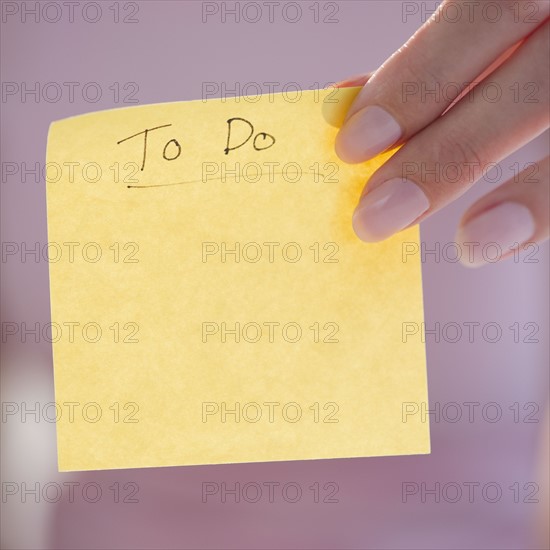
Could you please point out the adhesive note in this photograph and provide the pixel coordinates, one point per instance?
(210, 302)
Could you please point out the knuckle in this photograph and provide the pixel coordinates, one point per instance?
(457, 156)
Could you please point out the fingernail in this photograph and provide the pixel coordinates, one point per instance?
(367, 133)
(495, 233)
(389, 208)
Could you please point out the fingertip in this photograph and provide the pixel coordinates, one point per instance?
(388, 209)
(494, 233)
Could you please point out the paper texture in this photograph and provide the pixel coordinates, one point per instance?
(217, 306)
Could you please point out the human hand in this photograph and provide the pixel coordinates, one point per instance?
(454, 132)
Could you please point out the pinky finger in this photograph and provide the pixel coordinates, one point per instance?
(507, 218)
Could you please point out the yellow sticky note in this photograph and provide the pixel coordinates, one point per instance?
(210, 301)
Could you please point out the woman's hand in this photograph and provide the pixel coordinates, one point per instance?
(468, 89)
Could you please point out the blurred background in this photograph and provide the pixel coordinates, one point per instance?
(484, 485)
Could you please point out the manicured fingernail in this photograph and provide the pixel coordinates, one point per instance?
(389, 208)
(367, 133)
(495, 233)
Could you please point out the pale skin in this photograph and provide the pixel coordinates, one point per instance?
(463, 93)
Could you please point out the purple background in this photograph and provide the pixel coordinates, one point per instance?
(169, 53)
